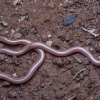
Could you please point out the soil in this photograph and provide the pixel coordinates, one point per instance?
(41, 20)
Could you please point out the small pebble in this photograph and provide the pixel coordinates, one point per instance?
(97, 47)
(15, 60)
(22, 18)
(12, 94)
(85, 72)
(87, 61)
(56, 46)
(49, 36)
(99, 57)
(60, 62)
(77, 79)
(98, 44)
(44, 38)
(15, 2)
(44, 18)
(61, 35)
(87, 42)
(68, 37)
(49, 43)
(71, 10)
(17, 36)
(51, 4)
(24, 31)
(65, 5)
(4, 23)
(81, 76)
(14, 75)
(61, 4)
(69, 20)
(73, 72)
(76, 86)
(12, 31)
(71, 41)
(17, 29)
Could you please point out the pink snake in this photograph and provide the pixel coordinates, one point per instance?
(40, 48)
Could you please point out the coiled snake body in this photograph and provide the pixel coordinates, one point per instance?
(40, 48)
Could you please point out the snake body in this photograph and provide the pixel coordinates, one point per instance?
(40, 48)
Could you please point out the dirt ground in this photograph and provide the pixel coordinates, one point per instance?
(41, 21)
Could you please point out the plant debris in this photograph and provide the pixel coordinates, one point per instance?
(79, 72)
(72, 98)
(89, 31)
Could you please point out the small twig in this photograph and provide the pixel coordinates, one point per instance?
(78, 60)
(72, 98)
(79, 72)
(95, 35)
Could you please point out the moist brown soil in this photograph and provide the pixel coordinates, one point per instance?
(41, 21)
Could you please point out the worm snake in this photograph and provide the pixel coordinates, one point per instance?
(11, 53)
(40, 48)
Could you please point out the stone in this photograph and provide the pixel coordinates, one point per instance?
(69, 20)
(12, 31)
(61, 35)
(71, 10)
(12, 94)
(76, 86)
(44, 18)
(60, 62)
(15, 60)
(97, 47)
(44, 38)
(51, 4)
(87, 61)
(68, 37)
(24, 31)
(49, 35)
(17, 36)
(22, 18)
(81, 76)
(56, 45)
(14, 75)
(87, 42)
(49, 43)
(65, 5)
(4, 23)
(16, 2)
